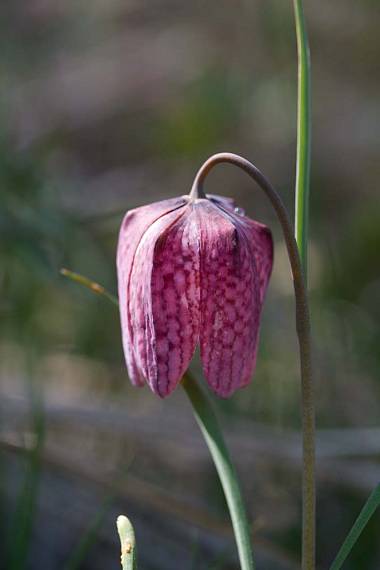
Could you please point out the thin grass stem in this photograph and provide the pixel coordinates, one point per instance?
(361, 522)
(303, 136)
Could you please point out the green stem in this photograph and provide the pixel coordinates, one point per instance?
(304, 341)
(365, 514)
(303, 135)
(215, 442)
(212, 434)
(302, 229)
(92, 285)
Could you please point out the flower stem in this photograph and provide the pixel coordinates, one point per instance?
(304, 340)
(303, 136)
(212, 434)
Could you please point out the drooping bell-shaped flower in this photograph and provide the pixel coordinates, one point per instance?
(192, 271)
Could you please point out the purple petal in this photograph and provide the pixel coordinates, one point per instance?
(234, 274)
(263, 252)
(260, 236)
(133, 227)
(164, 299)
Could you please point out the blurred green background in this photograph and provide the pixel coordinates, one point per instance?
(110, 105)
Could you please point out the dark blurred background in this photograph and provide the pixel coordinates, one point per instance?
(106, 106)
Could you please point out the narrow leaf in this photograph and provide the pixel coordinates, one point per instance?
(361, 522)
(92, 285)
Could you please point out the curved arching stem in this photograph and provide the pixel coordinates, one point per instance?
(304, 339)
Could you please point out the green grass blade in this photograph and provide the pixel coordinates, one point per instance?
(303, 135)
(92, 285)
(361, 522)
(302, 192)
(21, 528)
(89, 538)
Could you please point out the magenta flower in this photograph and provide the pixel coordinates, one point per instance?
(192, 271)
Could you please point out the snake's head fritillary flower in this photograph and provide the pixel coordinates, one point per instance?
(192, 271)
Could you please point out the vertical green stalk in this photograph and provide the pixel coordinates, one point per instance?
(301, 234)
(212, 434)
(303, 136)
